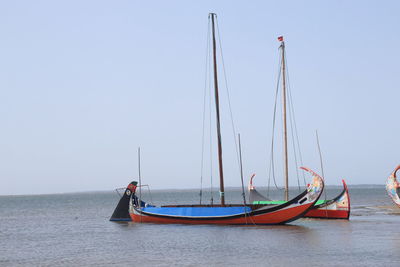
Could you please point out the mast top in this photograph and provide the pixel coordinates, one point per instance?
(280, 39)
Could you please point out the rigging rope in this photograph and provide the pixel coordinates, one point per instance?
(320, 158)
(228, 95)
(295, 124)
(204, 112)
(292, 121)
(272, 163)
(294, 150)
(293, 129)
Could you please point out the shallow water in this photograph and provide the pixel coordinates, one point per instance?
(73, 229)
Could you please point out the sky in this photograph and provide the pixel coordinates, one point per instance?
(83, 84)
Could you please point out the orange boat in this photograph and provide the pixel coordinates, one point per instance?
(336, 208)
(228, 214)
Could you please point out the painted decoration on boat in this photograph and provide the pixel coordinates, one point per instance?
(393, 187)
(336, 208)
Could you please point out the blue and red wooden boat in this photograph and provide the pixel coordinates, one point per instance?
(129, 209)
(132, 207)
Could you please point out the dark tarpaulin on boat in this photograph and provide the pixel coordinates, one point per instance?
(254, 195)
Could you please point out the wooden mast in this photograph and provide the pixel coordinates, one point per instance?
(221, 172)
(285, 146)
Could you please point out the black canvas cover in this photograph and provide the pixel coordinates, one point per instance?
(254, 195)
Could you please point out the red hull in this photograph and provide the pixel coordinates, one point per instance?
(276, 217)
(255, 214)
(328, 214)
(338, 208)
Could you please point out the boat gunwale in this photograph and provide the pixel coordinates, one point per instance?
(258, 210)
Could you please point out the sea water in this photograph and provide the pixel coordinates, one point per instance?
(74, 230)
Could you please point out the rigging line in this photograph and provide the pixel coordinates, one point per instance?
(295, 123)
(204, 112)
(140, 185)
(291, 121)
(320, 158)
(116, 190)
(228, 95)
(294, 147)
(151, 198)
(272, 164)
(269, 179)
(241, 178)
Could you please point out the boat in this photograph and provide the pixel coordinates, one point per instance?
(393, 187)
(226, 214)
(336, 208)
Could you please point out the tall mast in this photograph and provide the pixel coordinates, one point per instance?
(221, 172)
(285, 149)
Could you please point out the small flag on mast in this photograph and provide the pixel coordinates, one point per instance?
(280, 38)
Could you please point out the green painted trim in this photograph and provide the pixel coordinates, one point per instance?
(278, 202)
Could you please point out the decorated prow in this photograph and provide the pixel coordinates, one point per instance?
(393, 187)
(121, 212)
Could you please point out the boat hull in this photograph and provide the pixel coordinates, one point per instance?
(327, 214)
(337, 208)
(231, 214)
(258, 217)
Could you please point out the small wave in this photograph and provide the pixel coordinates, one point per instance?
(374, 210)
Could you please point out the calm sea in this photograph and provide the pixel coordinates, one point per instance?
(73, 229)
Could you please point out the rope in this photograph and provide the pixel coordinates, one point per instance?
(228, 95)
(291, 107)
(151, 197)
(204, 112)
(292, 121)
(320, 158)
(294, 150)
(241, 178)
(272, 163)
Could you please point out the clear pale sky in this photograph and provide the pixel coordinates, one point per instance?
(84, 83)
